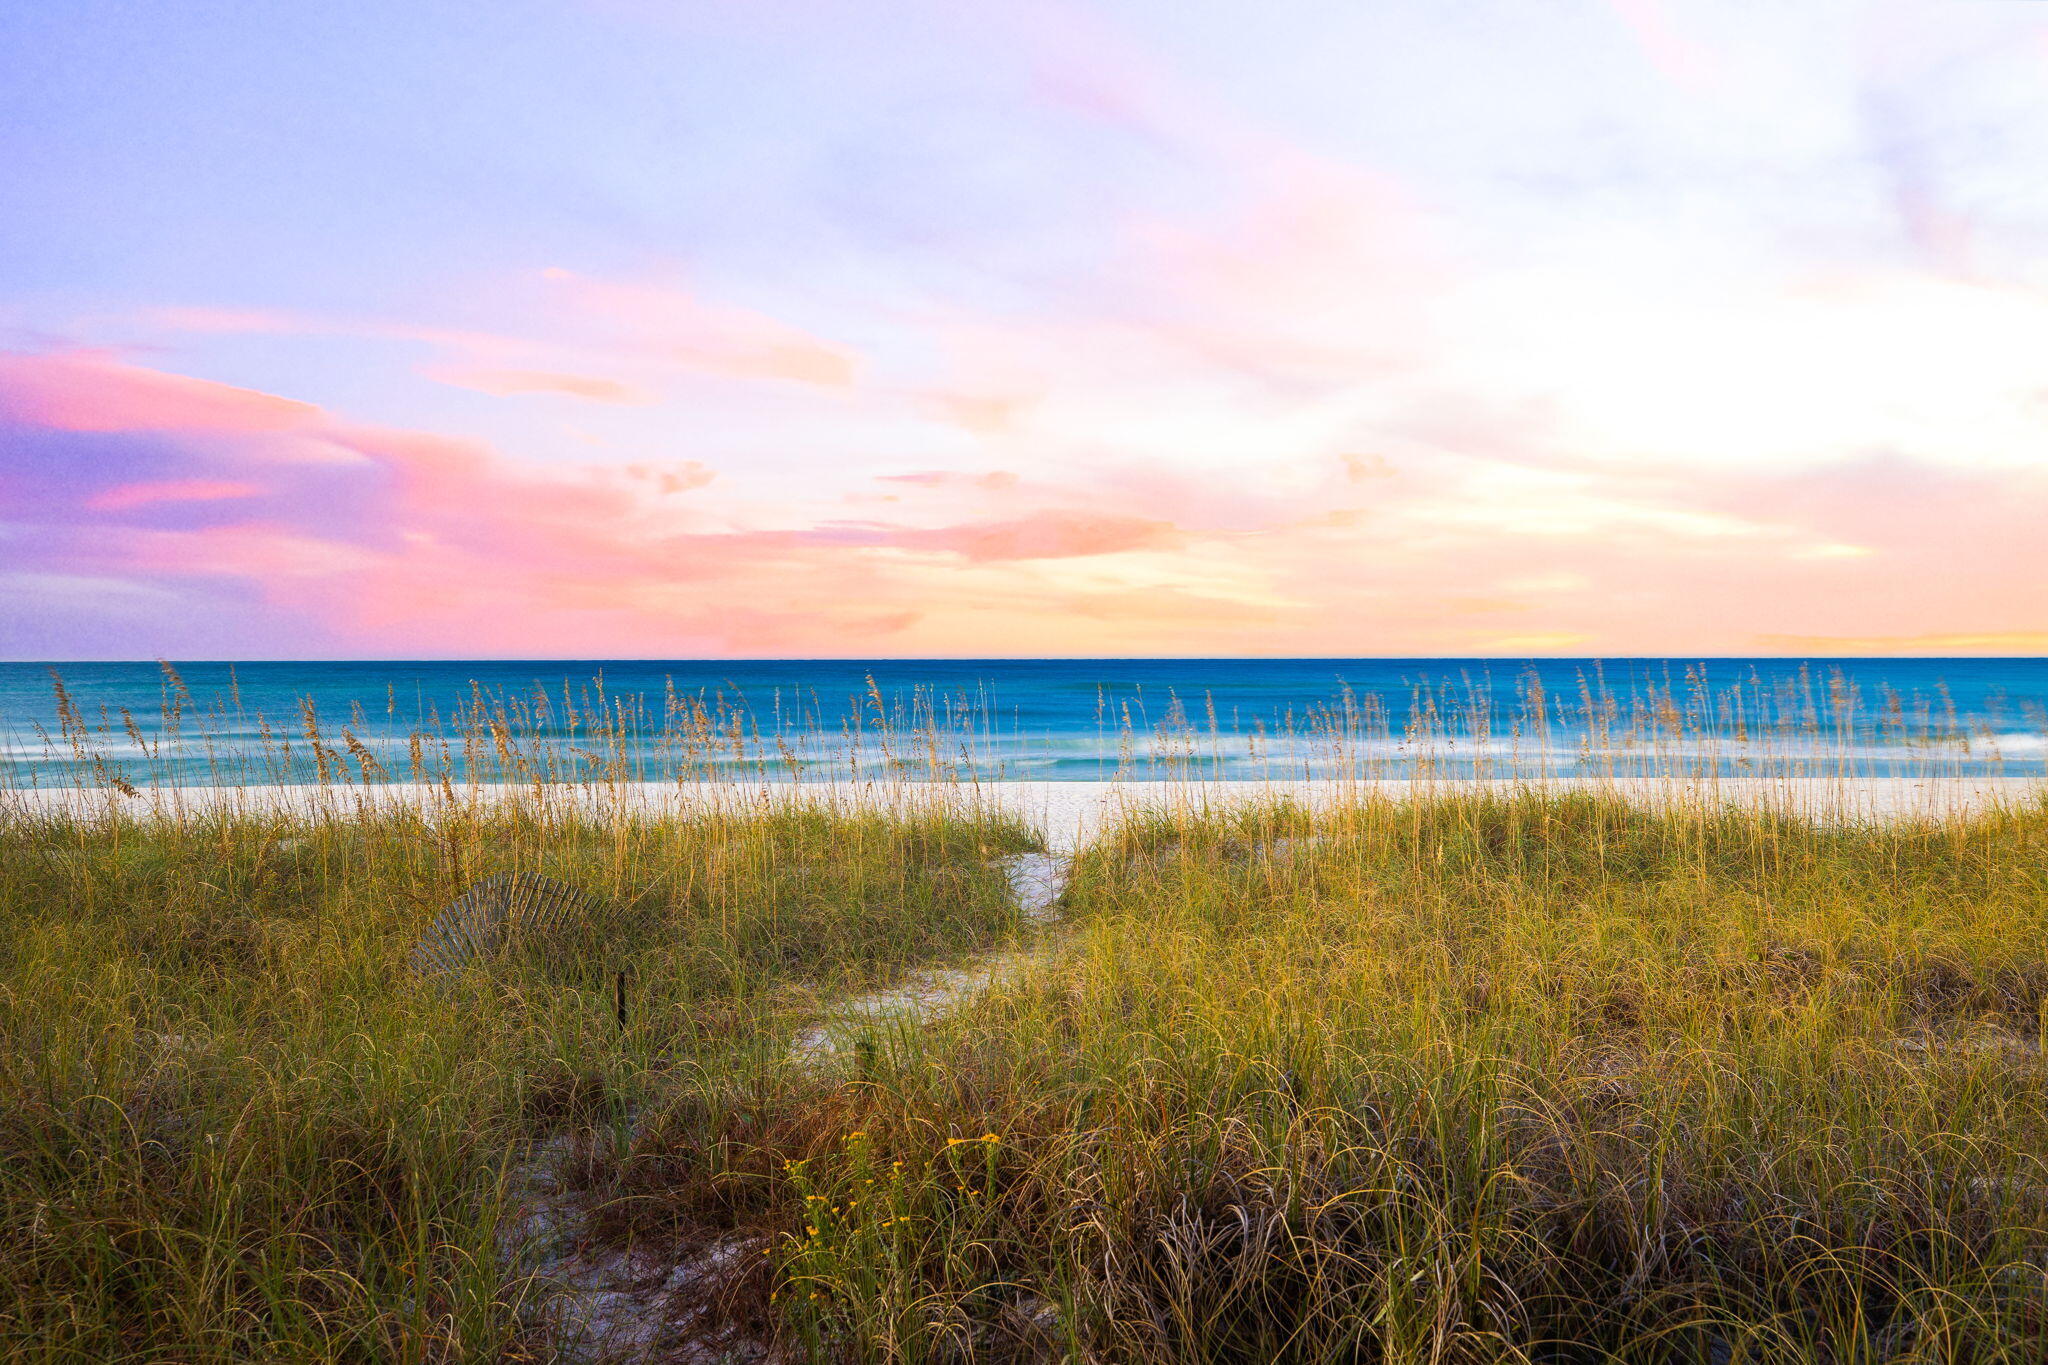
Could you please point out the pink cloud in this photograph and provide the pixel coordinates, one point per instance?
(1678, 58)
(120, 497)
(1048, 534)
(993, 481)
(676, 325)
(590, 322)
(424, 543)
(1936, 642)
(676, 477)
(506, 382)
(1321, 279)
(985, 414)
(261, 551)
(85, 392)
(448, 487)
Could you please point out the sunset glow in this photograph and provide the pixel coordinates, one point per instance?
(634, 329)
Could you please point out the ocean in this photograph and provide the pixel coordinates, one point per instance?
(1016, 719)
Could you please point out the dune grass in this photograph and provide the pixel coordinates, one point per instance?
(1528, 1079)
(1469, 1078)
(234, 1127)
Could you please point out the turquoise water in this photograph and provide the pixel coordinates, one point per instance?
(1057, 719)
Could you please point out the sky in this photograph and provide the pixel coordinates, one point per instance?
(637, 328)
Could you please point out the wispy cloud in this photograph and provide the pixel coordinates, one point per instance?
(87, 392)
(1047, 534)
(1678, 56)
(504, 382)
(1941, 643)
(585, 337)
(122, 496)
(669, 323)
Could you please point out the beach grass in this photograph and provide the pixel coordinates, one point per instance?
(1533, 1077)
(1464, 1079)
(234, 1126)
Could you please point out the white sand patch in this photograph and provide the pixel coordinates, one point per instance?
(606, 1302)
(1068, 814)
(1036, 883)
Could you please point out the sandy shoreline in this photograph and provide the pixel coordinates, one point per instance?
(1069, 812)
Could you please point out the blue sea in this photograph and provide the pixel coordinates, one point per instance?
(1014, 719)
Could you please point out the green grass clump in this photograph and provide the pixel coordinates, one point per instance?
(233, 1126)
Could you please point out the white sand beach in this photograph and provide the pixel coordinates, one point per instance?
(1069, 813)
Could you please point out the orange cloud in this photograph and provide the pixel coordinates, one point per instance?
(993, 481)
(677, 478)
(1537, 642)
(1986, 642)
(1364, 468)
(984, 414)
(1154, 610)
(1482, 606)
